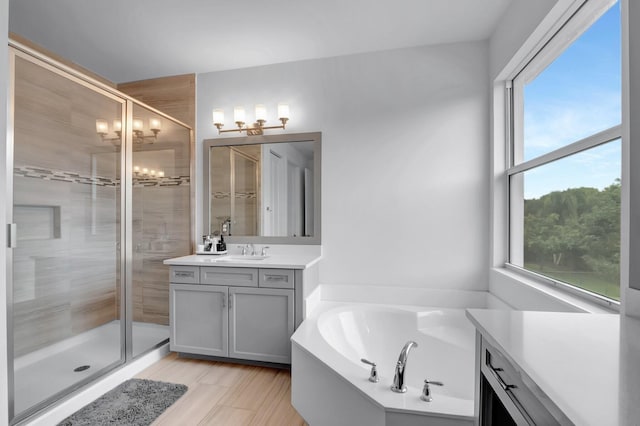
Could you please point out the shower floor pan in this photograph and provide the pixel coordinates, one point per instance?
(43, 373)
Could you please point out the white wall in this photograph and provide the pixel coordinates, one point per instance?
(404, 157)
(518, 23)
(4, 81)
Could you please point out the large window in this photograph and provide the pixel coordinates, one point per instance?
(565, 162)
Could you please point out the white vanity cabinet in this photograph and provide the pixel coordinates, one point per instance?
(235, 312)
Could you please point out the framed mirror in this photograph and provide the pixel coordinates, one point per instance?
(263, 189)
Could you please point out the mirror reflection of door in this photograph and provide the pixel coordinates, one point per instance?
(276, 196)
(295, 215)
(308, 202)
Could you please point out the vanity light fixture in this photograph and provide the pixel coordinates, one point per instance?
(155, 126)
(256, 128)
(144, 172)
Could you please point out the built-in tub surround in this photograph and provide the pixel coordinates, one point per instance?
(327, 371)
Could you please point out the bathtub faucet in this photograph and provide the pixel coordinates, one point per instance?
(398, 379)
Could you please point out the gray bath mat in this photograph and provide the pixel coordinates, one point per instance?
(136, 402)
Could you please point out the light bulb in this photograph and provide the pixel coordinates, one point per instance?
(218, 116)
(102, 127)
(283, 111)
(261, 112)
(117, 125)
(238, 114)
(155, 124)
(137, 125)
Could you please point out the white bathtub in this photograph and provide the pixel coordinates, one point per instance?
(330, 385)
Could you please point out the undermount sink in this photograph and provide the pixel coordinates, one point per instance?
(235, 258)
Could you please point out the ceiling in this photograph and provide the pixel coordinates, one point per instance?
(125, 40)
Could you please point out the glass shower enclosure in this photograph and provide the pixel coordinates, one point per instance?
(101, 196)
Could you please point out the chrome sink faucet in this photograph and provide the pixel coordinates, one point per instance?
(248, 250)
(398, 380)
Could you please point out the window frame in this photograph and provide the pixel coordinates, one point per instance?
(556, 43)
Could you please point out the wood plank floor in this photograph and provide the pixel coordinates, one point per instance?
(225, 394)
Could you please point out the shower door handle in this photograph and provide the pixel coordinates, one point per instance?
(12, 236)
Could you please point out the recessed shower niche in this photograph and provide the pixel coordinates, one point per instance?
(101, 193)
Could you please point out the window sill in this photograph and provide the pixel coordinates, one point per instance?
(525, 293)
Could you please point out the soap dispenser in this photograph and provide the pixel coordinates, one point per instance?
(221, 246)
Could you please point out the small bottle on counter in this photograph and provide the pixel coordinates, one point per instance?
(221, 246)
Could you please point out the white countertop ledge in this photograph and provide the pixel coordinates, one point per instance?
(282, 261)
(582, 362)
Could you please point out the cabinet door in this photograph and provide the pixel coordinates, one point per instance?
(260, 324)
(199, 319)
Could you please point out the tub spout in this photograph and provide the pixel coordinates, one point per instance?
(398, 379)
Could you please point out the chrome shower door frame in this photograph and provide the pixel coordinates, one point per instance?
(125, 259)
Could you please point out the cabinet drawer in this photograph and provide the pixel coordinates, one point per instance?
(184, 274)
(276, 278)
(244, 277)
(520, 396)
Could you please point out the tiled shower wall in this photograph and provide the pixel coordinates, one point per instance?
(65, 276)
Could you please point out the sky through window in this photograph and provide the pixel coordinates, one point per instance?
(577, 95)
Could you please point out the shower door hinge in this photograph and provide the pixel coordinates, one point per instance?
(12, 239)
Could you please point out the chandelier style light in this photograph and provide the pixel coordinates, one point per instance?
(256, 128)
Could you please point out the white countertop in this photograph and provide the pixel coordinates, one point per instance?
(284, 261)
(587, 364)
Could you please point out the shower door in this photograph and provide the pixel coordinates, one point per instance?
(161, 222)
(101, 190)
(66, 262)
